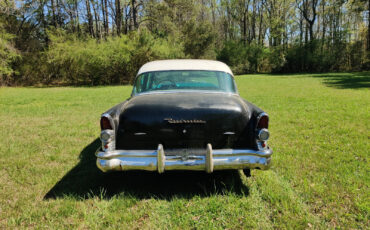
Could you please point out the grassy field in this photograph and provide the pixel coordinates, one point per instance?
(320, 176)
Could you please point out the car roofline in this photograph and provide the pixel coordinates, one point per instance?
(185, 64)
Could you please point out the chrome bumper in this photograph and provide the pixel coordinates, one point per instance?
(156, 160)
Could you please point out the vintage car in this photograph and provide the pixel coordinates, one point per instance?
(184, 115)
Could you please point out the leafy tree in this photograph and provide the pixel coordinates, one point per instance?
(106, 41)
(198, 39)
(8, 53)
(8, 56)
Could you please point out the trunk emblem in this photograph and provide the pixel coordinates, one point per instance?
(184, 131)
(181, 121)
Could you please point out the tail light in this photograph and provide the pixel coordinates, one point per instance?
(105, 123)
(262, 133)
(263, 121)
(107, 135)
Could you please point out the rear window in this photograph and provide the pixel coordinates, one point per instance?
(184, 80)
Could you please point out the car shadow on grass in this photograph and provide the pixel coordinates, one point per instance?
(86, 181)
(346, 80)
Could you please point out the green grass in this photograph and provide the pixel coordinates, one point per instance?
(319, 179)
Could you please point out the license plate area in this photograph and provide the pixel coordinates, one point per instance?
(185, 152)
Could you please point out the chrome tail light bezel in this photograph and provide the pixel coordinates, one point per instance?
(107, 136)
(262, 133)
(259, 117)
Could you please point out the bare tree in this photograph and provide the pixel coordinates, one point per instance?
(54, 22)
(106, 26)
(134, 24)
(308, 9)
(97, 19)
(89, 18)
(118, 16)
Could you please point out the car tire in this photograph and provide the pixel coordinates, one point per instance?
(247, 172)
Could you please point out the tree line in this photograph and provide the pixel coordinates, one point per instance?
(106, 41)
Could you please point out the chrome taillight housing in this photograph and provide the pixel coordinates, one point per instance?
(262, 133)
(107, 135)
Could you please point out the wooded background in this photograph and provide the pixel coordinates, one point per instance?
(92, 42)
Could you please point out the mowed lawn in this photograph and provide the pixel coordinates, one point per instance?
(320, 177)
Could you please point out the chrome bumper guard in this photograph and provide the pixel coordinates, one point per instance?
(156, 160)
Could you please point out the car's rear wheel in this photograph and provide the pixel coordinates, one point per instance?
(247, 172)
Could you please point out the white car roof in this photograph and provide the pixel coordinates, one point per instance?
(184, 64)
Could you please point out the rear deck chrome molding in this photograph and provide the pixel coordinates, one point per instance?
(156, 160)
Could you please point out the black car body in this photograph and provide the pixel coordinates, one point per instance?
(184, 115)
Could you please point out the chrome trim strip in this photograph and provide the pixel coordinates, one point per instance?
(139, 134)
(126, 153)
(229, 133)
(153, 153)
(241, 152)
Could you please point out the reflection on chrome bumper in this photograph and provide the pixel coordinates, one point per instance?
(156, 160)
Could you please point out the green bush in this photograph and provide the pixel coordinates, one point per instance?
(73, 60)
(8, 56)
(318, 56)
(198, 40)
(78, 61)
(243, 58)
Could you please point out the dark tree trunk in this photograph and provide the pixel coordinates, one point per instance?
(89, 17)
(213, 13)
(58, 18)
(54, 14)
(260, 38)
(323, 27)
(310, 26)
(103, 15)
(306, 33)
(118, 16)
(306, 8)
(368, 27)
(127, 19)
(134, 14)
(77, 17)
(106, 17)
(254, 21)
(245, 26)
(301, 29)
(96, 16)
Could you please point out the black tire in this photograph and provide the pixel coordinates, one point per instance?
(247, 172)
